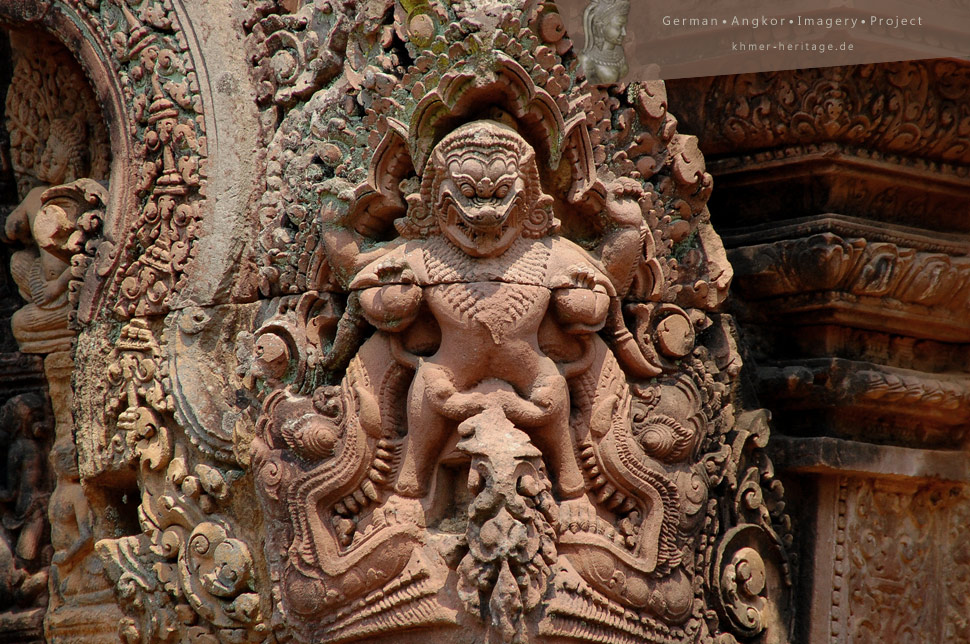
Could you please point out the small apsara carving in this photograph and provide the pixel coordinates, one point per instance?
(604, 25)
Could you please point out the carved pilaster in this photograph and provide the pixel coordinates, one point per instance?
(845, 191)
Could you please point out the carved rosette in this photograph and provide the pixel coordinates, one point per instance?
(497, 396)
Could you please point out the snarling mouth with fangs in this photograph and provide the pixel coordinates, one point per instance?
(481, 230)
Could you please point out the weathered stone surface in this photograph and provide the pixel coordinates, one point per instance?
(846, 191)
(57, 141)
(535, 434)
(378, 321)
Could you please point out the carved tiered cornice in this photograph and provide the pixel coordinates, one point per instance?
(888, 141)
(839, 270)
(842, 197)
(911, 108)
(868, 401)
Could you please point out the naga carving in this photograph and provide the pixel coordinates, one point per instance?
(495, 390)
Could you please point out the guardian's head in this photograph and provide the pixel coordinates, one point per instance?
(485, 189)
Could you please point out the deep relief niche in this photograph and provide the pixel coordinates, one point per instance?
(57, 147)
(497, 396)
(59, 154)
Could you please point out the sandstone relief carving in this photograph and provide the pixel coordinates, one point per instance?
(894, 107)
(486, 392)
(495, 400)
(884, 141)
(184, 575)
(48, 221)
(58, 149)
(930, 285)
(144, 54)
(27, 427)
(58, 153)
(82, 597)
(886, 531)
(843, 186)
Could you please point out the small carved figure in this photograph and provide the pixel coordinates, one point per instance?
(24, 495)
(42, 269)
(603, 58)
(76, 572)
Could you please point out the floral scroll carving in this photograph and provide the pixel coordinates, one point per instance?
(185, 575)
(896, 108)
(165, 110)
(495, 389)
(886, 532)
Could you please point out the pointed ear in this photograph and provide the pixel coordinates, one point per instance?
(378, 201)
(578, 152)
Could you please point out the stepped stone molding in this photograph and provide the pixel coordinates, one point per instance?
(844, 192)
(893, 287)
(886, 138)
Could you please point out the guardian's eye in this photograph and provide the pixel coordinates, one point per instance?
(501, 191)
(467, 189)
